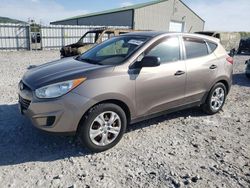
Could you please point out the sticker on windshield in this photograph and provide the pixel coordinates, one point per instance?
(135, 42)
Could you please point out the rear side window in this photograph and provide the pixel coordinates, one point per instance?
(195, 47)
(212, 46)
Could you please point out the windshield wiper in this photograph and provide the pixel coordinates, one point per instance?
(90, 61)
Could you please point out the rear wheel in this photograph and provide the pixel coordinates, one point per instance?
(103, 127)
(216, 99)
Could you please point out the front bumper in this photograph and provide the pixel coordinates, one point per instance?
(61, 115)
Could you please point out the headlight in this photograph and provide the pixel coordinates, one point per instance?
(58, 89)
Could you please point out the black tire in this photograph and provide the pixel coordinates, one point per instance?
(88, 119)
(207, 107)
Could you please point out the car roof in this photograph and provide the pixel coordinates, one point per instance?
(164, 33)
(204, 37)
(147, 33)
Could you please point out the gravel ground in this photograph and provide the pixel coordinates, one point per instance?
(183, 149)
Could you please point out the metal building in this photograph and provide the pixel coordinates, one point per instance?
(164, 15)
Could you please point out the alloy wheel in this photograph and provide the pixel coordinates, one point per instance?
(217, 99)
(105, 128)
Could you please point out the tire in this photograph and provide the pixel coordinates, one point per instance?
(248, 75)
(213, 102)
(98, 120)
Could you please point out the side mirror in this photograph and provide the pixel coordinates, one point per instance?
(150, 61)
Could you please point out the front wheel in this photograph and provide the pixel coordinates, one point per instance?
(102, 127)
(216, 99)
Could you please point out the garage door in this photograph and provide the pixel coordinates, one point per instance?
(176, 26)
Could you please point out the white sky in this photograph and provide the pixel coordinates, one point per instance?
(226, 15)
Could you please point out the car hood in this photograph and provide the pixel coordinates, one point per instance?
(58, 71)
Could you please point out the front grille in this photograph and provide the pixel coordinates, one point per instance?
(24, 103)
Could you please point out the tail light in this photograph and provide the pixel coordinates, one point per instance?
(230, 60)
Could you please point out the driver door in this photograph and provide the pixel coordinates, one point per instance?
(162, 87)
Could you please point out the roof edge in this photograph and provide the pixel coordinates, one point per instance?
(115, 10)
(123, 9)
(89, 15)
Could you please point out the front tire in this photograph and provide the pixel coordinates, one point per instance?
(102, 127)
(248, 75)
(215, 99)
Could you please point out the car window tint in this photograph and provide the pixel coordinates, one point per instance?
(167, 51)
(123, 47)
(195, 47)
(117, 48)
(212, 46)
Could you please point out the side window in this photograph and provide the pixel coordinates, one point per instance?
(212, 46)
(167, 51)
(195, 47)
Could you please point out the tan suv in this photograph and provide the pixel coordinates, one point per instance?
(124, 80)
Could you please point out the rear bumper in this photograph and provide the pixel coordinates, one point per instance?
(61, 115)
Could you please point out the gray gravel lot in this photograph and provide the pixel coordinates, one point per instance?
(183, 149)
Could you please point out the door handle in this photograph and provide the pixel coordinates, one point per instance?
(178, 73)
(213, 67)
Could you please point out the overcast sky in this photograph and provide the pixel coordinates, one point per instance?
(227, 15)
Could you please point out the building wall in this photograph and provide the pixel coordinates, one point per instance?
(113, 19)
(66, 22)
(158, 17)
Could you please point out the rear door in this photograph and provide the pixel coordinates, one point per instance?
(202, 66)
(160, 88)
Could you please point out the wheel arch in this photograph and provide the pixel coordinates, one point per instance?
(224, 80)
(225, 83)
(118, 102)
(121, 104)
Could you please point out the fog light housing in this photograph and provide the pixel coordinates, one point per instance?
(50, 121)
(45, 121)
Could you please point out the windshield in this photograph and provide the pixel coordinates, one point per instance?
(113, 51)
